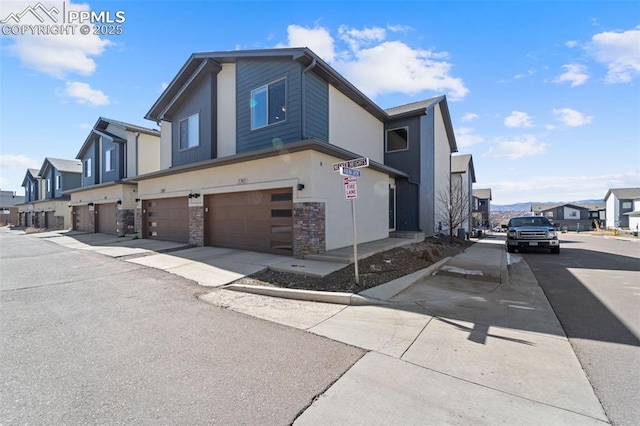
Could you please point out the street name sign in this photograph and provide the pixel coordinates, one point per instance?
(356, 163)
(345, 171)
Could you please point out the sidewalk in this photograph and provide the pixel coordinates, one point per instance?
(475, 342)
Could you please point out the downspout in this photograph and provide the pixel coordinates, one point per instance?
(137, 156)
(303, 110)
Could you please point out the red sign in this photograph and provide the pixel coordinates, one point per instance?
(350, 188)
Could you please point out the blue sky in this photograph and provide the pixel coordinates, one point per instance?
(545, 95)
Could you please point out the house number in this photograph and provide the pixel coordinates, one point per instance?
(242, 181)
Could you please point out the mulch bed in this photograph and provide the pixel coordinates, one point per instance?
(374, 270)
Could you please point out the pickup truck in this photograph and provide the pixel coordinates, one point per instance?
(531, 232)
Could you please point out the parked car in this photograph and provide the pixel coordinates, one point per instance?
(497, 229)
(536, 232)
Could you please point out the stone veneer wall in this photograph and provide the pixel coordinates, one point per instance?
(126, 222)
(137, 223)
(92, 220)
(308, 228)
(196, 226)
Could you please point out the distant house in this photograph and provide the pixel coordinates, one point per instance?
(623, 208)
(46, 205)
(482, 208)
(113, 151)
(9, 207)
(463, 176)
(568, 217)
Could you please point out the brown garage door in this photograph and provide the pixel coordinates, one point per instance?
(49, 220)
(107, 218)
(253, 220)
(81, 218)
(166, 219)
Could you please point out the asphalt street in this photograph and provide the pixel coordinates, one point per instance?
(594, 288)
(86, 339)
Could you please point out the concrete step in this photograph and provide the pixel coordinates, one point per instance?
(418, 236)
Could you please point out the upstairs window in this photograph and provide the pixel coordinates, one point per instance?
(110, 160)
(87, 167)
(190, 132)
(268, 104)
(48, 185)
(397, 139)
(58, 182)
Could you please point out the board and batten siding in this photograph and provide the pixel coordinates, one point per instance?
(200, 101)
(317, 107)
(353, 128)
(257, 72)
(116, 173)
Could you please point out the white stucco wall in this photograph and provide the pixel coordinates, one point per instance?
(148, 154)
(107, 194)
(165, 145)
(59, 207)
(442, 162)
(310, 168)
(571, 214)
(353, 128)
(226, 81)
(634, 220)
(612, 211)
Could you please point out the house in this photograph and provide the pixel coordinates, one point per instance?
(251, 143)
(622, 207)
(9, 208)
(482, 208)
(46, 204)
(113, 151)
(463, 176)
(566, 217)
(419, 141)
(31, 184)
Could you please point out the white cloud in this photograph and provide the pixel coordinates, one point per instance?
(549, 126)
(20, 161)
(575, 74)
(513, 148)
(470, 116)
(518, 119)
(465, 137)
(83, 94)
(619, 52)
(56, 55)
(571, 43)
(560, 188)
(571, 117)
(380, 66)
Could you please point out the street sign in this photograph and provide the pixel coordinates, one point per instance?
(356, 163)
(350, 188)
(345, 171)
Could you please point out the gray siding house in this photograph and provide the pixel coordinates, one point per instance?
(482, 208)
(620, 206)
(565, 217)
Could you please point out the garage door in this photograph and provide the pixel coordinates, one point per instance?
(49, 220)
(166, 219)
(254, 220)
(107, 218)
(81, 218)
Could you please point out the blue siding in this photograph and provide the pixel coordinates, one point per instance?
(57, 192)
(116, 173)
(408, 161)
(202, 101)
(92, 154)
(71, 181)
(317, 107)
(254, 73)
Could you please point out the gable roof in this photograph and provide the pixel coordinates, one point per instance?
(463, 163)
(484, 193)
(624, 193)
(30, 172)
(199, 64)
(423, 108)
(64, 166)
(551, 206)
(100, 129)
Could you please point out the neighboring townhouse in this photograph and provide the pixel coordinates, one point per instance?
(419, 141)
(9, 202)
(622, 205)
(463, 176)
(249, 140)
(112, 152)
(565, 217)
(482, 208)
(46, 205)
(31, 185)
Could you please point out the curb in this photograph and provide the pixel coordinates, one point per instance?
(378, 295)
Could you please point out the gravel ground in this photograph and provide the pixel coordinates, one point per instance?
(374, 270)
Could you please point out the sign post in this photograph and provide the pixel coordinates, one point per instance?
(349, 169)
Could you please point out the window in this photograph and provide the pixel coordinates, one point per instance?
(58, 182)
(626, 205)
(110, 160)
(549, 214)
(397, 139)
(87, 167)
(190, 132)
(48, 185)
(268, 104)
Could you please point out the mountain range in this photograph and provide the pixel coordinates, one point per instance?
(526, 206)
